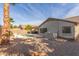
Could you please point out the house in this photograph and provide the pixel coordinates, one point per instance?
(63, 28)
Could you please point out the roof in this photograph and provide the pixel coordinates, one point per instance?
(73, 19)
(55, 19)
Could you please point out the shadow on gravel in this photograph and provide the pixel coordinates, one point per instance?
(23, 48)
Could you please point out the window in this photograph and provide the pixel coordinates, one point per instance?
(66, 29)
(43, 30)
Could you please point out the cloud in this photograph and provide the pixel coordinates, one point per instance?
(73, 12)
(37, 13)
(58, 12)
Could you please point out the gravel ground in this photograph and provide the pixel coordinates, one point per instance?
(68, 48)
(26, 47)
(20, 47)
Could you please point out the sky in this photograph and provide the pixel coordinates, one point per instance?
(35, 14)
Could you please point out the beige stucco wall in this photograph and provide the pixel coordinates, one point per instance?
(56, 27)
(77, 31)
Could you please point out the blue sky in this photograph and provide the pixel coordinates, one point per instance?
(35, 14)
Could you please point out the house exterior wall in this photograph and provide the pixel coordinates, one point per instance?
(52, 26)
(66, 35)
(56, 27)
(77, 31)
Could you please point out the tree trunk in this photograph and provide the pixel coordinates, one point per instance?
(6, 25)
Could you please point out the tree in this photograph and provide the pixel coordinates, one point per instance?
(20, 26)
(6, 25)
(28, 27)
(15, 26)
(0, 29)
(0, 26)
(11, 22)
(5, 36)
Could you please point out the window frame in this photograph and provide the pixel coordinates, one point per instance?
(43, 30)
(66, 29)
